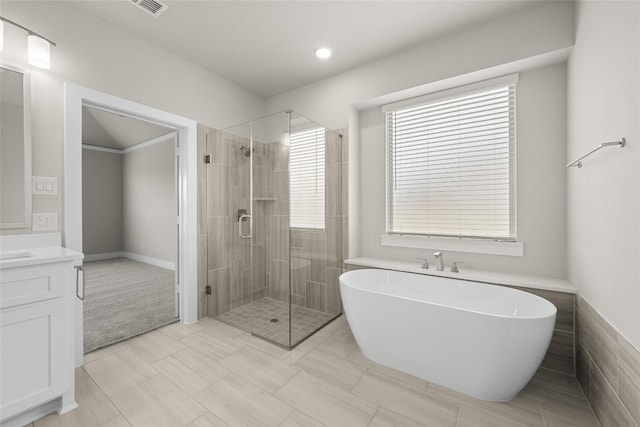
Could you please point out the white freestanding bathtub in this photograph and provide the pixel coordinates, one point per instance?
(482, 340)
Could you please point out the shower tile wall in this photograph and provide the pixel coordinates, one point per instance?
(229, 268)
(608, 369)
(261, 182)
(561, 353)
(276, 219)
(345, 197)
(317, 255)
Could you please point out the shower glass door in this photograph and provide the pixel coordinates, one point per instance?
(274, 218)
(271, 277)
(229, 224)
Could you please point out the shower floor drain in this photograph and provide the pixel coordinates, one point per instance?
(274, 320)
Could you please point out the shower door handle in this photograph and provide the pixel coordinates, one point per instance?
(241, 219)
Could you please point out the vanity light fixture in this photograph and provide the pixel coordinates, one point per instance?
(39, 52)
(38, 47)
(322, 52)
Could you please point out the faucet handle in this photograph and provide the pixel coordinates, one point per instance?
(425, 263)
(454, 266)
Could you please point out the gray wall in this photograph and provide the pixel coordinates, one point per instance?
(604, 195)
(101, 202)
(95, 60)
(129, 202)
(604, 207)
(547, 26)
(149, 201)
(541, 194)
(513, 43)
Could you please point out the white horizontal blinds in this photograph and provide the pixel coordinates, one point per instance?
(451, 166)
(306, 167)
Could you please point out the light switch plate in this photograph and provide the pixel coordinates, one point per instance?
(44, 185)
(45, 222)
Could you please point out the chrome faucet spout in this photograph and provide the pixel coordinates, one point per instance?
(439, 261)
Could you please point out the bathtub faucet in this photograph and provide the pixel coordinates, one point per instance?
(425, 263)
(439, 261)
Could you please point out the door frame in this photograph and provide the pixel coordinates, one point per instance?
(75, 97)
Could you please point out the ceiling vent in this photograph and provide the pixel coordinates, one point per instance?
(152, 7)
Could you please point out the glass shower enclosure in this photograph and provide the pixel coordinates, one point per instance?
(274, 225)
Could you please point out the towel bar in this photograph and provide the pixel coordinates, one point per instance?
(621, 142)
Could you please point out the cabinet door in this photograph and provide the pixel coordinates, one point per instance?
(32, 284)
(33, 340)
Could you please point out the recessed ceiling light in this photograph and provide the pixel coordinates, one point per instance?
(322, 52)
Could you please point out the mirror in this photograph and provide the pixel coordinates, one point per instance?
(15, 148)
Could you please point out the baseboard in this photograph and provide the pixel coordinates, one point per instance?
(103, 256)
(152, 261)
(33, 414)
(134, 257)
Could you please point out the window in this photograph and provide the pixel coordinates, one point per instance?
(451, 163)
(306, 168)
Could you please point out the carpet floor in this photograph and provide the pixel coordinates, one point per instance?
(125, 298)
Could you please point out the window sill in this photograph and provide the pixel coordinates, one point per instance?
(477, 246)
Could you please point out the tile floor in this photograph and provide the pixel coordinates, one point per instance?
(210, 374)
(256, 317)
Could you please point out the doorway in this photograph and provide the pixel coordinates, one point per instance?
(129, 226)
(76, 98)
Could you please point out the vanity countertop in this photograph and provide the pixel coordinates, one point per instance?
(36, 256)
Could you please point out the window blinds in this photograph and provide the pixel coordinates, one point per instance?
(451, 165)
(306, 167)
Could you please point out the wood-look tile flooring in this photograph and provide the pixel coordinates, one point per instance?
(210, 374)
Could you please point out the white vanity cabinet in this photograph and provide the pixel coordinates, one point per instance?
(37, 295)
